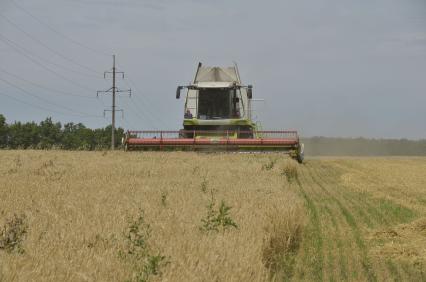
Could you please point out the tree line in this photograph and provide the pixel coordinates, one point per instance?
(76, 136)
(53, 135)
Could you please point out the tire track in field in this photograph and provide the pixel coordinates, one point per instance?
(385, 268)
(324, 184)
(342, 260)
(345, 216)
(364, 206)
(365, 174)
(336, 267)
(370, 215)
(313, 256)
(334, 260)
(373, 216)
(334, 236)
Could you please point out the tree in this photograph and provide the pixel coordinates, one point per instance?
(3, 131)
(50, 134)
(23, 135)
(77, 136)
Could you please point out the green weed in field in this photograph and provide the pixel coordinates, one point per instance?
(219, 219)
(270, 165)
(204, 185)
(290, 171)
(138, 251)
(164, 198)
(13, 234)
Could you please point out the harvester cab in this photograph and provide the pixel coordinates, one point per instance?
(217, 116)
(216, 101)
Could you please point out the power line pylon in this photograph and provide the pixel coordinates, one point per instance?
(114, 90)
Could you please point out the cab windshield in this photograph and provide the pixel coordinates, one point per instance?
(219, 103)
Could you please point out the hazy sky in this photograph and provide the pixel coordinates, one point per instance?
(324, 67)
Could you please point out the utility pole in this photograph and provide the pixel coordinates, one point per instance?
(114, 90)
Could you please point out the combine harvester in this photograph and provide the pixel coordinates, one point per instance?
(217, 117)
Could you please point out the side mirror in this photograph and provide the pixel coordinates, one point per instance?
(250, 91)
(179, 88)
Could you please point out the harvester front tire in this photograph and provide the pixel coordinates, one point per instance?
(300, 153)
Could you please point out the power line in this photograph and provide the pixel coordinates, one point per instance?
(37, 60)
(42, 99)
(142, 116)
(144, 112)
(23, 49)
(127, 123)
(43, 108)
(65, 93)
(16, 48)
(145, 106)
(46, 46)
(97, 52)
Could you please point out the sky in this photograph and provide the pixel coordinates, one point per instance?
(325, 68)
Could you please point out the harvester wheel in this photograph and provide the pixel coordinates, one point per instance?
(301, 153)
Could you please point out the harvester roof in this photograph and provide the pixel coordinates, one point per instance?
(214, 77)
(215, 84)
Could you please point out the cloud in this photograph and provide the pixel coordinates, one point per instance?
(407, 39)
(418, 38)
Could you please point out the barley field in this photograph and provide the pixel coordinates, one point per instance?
(152, 216)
